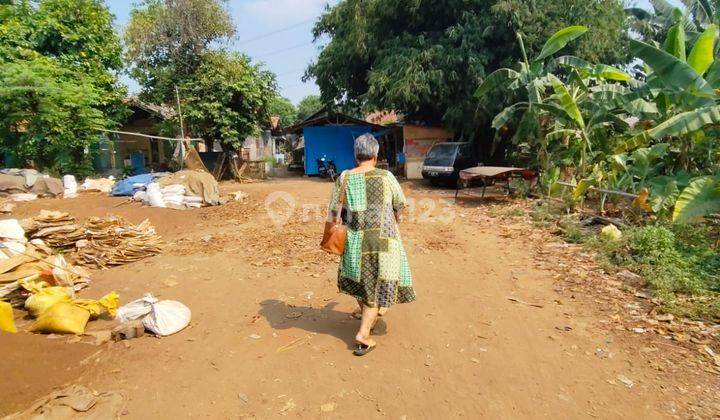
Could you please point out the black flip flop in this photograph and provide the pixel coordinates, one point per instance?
(363, 349)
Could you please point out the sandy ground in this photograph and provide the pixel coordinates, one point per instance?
(271, 336)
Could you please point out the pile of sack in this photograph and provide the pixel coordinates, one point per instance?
(183, 189)
(172, 196)
(28, 184)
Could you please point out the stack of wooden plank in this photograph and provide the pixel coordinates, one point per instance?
(112, 241)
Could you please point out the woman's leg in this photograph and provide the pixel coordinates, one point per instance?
(369, 315)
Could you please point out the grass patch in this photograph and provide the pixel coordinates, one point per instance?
(678, 262)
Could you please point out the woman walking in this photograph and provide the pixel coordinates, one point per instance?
(374, 267)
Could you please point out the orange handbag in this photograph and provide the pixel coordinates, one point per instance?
(335, 234)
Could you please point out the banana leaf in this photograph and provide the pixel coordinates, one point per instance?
(567, 102)
(560, 134)
(603, 71)
(495, 80)
(713, 75)
(700, 198)
(674, 73)
(559, 40)
(678, 125)
(702, 56)
(507, 114)
(675, 41)
(572, 61)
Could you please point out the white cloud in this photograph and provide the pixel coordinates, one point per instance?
(283, 11)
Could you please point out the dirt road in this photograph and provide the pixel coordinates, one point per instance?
(491, 335)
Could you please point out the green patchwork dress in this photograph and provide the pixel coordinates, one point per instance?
(374, 268)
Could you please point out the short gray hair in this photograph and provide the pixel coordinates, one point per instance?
(366, 147)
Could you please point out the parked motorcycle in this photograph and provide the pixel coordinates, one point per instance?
(327, 168)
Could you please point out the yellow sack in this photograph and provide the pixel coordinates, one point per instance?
(62, 318)
(45, 298)
(7, 322)
(96, 308)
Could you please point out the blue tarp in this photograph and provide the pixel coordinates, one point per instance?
(126, 186)
(335, 142)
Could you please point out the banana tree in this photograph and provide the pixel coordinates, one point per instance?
(685, 88)
(527, 84)
(699, 199)
(656, 23)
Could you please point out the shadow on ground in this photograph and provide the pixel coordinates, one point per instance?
(326, 320)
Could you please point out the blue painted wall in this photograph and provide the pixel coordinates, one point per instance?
(335, 142)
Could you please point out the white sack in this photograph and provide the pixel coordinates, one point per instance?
(167, 317)
(136, 309)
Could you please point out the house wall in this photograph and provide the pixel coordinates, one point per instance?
(417, 142)
(336, 142)
(128, 147)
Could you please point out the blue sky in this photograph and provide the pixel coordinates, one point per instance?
(275, 32)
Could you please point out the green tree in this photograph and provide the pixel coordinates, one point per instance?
(283, 108)
(228, 99)
(426, 58)
(66, 49)
(179, 43)
(48, 114)
(166, 41)
(308, 106)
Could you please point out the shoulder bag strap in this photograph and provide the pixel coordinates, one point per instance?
(341, 198)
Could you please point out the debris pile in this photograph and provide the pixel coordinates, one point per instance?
(56, 229)
(27, 267)
(112, 241)
(101, 242)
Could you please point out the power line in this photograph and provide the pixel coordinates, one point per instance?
(291, 71)
(277, 31)
(284, 50)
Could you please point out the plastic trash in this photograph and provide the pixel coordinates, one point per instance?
(46, 298)
(62, 318)
(11, 229)
(136, 309)
(7, 322)
(107, 303)
(70, 186)
(167, 317)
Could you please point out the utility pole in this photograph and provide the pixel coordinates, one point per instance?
(182, 127)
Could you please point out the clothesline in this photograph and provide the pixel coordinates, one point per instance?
(145, 135)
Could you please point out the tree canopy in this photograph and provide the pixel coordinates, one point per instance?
(181, 43)
(227, 99)
(283, 108)
(58, 82)
(308, 105)
(166, 41)
(426, 58)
